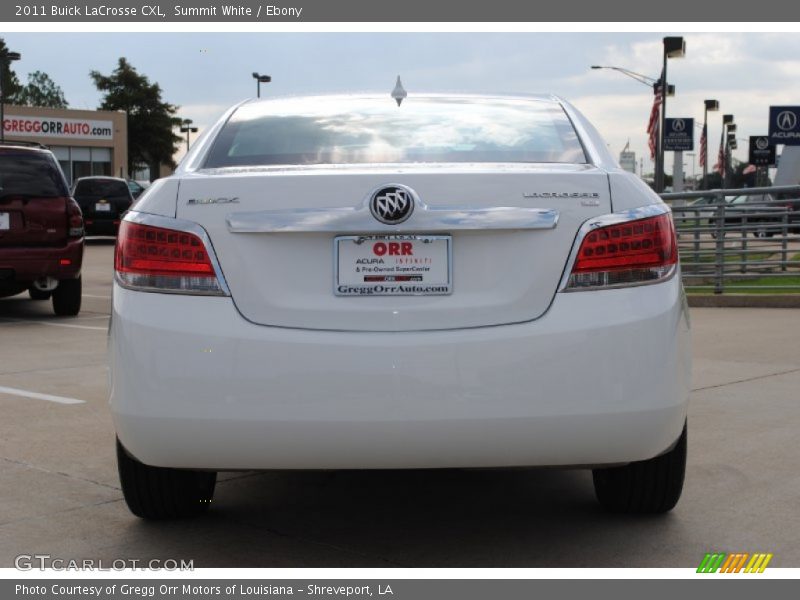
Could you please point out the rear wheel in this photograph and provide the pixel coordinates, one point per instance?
(648, 486)
(37, 294)
(67, 297)
(163, 493)
(763, 232)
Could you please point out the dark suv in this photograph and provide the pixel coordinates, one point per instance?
(41, 229)
(103, 201)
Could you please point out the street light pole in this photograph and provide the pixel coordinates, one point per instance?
(730, 144)
(674, 47)
(259, 80)
(6, 58)
(710, 105)
(188, 130)
(659, 176)
(727, 122)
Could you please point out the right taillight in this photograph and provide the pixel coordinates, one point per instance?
(626, 253)
(74, 219)
(158, 259)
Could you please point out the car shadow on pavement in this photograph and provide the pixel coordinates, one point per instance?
(426, 518)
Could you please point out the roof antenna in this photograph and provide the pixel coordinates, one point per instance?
(398, 93)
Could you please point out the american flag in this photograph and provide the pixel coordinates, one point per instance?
(653, 123)
(704, 146)
(720, 166)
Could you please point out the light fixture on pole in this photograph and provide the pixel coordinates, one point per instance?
(674, 47)
(653, 84)
(710, 106)
(645, 79)
(6, 58)
(188, 130)
(727, 123)
(259, 80)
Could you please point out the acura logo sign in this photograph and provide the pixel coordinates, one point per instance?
(678, 125)
(762, 143)
(392, 204)
(787, 120)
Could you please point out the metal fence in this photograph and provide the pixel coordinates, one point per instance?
(739, 240)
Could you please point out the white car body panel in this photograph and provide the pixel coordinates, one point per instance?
(601, 378)
(508, 370)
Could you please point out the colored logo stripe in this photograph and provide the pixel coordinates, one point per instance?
(711, 562)
(758, 563)
(734, 563)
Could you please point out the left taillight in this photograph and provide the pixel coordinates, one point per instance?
(158, 259)
(74, 219)
(631, 252)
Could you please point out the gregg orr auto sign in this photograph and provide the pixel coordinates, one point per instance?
(57, 127)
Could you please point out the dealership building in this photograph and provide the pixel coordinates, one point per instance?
(85, 142)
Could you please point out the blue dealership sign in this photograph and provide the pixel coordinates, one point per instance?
(784, 125)
(678, 135)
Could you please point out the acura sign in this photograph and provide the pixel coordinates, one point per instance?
(679, 135)
(784, 125)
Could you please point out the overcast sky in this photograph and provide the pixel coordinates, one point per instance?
(204, 73)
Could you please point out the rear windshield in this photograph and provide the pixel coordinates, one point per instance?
(30, 174)
(311, 131)
(101, 187)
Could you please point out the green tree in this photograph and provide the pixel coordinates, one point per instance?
(41, 91)
(151, 139)
(8, 79)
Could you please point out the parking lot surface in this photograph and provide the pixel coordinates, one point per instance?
(59, 493)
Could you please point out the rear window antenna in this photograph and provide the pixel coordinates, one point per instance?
(398, 93)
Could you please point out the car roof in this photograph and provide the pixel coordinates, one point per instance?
(106, 177)
(25, 146)
(387, 98)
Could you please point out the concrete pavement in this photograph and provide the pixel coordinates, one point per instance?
(59, 493)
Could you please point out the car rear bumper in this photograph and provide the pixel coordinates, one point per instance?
(102, 223)
(601, 378)
(27, 264)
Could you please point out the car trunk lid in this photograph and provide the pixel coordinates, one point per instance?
(510, 227)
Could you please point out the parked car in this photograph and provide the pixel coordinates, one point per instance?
(761, 214)
(340, 282)
(41, 229)
(103, 201)
(703, 208)
(781, 212)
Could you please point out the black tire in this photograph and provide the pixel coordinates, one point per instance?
(38, 294)
(67, 297)
(646, 487)
(763, 233)
(162, 493)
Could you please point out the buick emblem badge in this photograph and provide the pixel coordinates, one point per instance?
(392, 204)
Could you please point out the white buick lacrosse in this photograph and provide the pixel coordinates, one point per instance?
(350, 282)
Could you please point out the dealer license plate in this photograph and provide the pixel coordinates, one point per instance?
(5, 220)
(102, 207)
(393, 265)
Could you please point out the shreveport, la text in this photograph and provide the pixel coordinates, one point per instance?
(187, 589)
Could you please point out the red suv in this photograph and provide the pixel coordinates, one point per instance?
(41, 229)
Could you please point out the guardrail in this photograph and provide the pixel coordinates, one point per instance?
(739, 240)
